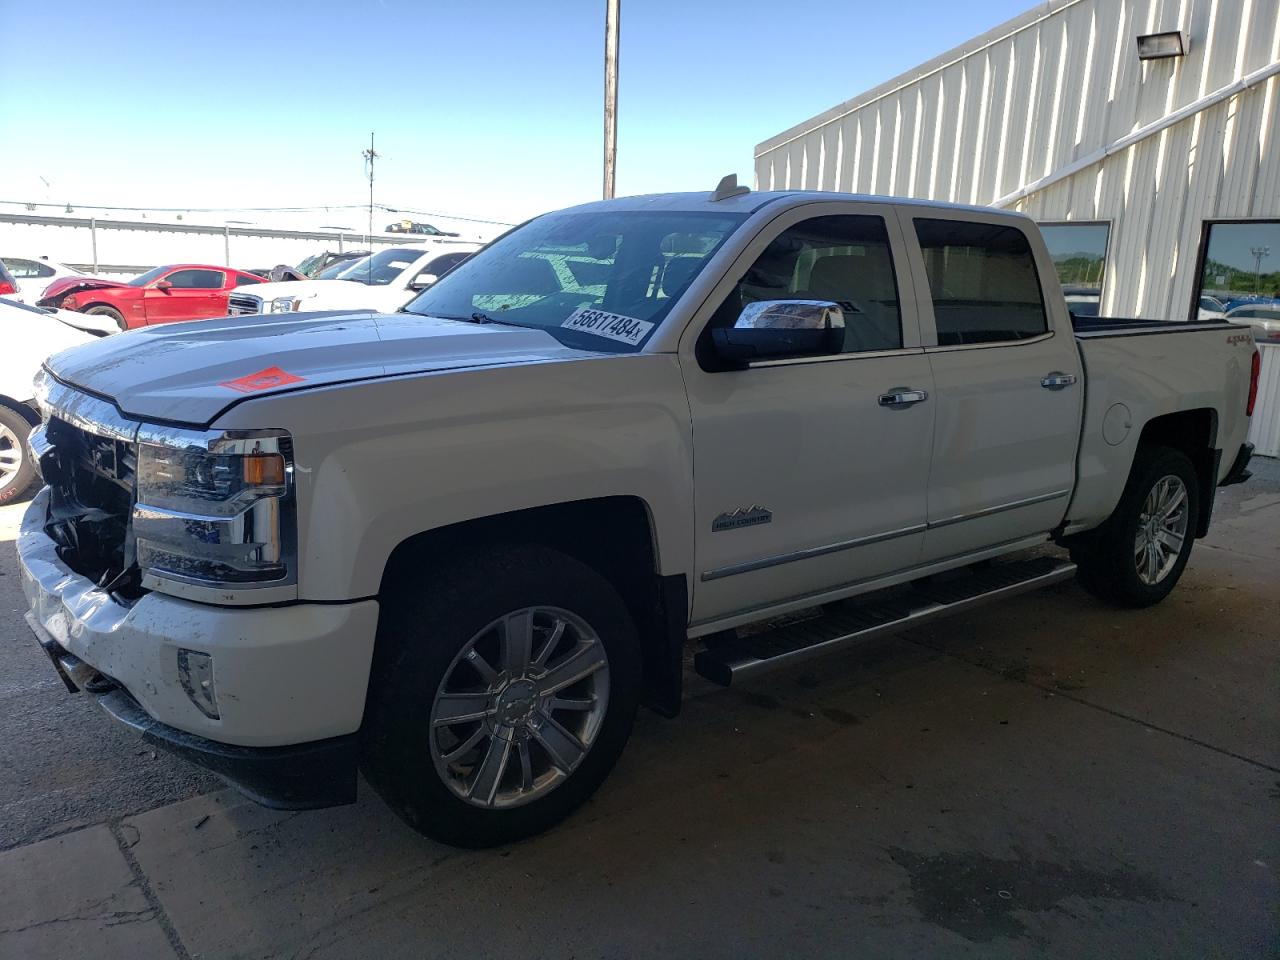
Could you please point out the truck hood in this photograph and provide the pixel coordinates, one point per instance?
(190, 372)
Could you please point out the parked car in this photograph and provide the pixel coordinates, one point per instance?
(180, 291)
(36, 273)
(9, 286)
(316, 263)
(1262, 317)
(385, 281)
(410, 226)
(1210, 308)
(456, 546)
(29, 334)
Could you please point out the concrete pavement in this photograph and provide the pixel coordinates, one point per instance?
(1044, 777)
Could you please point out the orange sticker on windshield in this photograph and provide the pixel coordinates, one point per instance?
(262, 380)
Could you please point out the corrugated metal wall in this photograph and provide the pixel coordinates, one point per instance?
(1051, 87)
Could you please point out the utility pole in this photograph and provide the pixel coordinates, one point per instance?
(370, 156)
(611, 14)
(1259, 253)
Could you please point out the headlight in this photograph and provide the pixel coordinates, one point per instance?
(283, 304)
(215, 509)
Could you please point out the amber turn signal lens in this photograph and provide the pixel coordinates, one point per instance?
(263, 470)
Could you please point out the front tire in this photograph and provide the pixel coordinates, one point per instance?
(1137, 557)
(17, 466)
(505, 686)
(105, 311)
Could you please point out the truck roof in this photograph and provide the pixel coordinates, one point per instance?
(751, 201)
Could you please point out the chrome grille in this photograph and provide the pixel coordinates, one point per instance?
(239, 304)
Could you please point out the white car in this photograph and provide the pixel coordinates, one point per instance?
(1263, 317)
(34, 274)
(383, 282)
(1210, 308)
(29, 334)
(455, 547)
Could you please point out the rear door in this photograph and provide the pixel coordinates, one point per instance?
(1007, 379)
(193, 293)
(804, 479)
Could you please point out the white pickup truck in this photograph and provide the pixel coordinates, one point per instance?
(383, 282)
(456, 546)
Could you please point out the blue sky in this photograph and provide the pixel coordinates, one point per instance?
(485, 109)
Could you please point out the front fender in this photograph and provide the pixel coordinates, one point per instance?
(381, 461)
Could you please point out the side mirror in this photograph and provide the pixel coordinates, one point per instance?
(772, 329)
(422, 281)
(164, 285)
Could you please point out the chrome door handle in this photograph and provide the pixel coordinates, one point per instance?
(1058, 381)
(902, 397)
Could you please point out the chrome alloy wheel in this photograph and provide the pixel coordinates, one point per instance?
(1162, 529)
(11, 455)
(519, 707)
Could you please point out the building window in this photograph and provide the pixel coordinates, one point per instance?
(1239, 269)
(983, 281)
(1079, 252)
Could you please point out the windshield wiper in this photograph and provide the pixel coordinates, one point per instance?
(476, 317)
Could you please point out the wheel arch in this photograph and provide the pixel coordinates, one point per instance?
(1194, 433)
(21, 408)
(614, 535)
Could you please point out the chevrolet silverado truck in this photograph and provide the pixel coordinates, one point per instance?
(456, 546)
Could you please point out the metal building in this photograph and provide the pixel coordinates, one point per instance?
(1144, 132)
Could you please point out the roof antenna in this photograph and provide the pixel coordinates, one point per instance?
(728, 187)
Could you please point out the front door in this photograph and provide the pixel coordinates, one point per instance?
(1007, 384)
(804, 479)
(191, 294)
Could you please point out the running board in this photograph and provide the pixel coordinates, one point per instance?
(851, 621)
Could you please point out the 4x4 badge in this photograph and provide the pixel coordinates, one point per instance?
(742, 517)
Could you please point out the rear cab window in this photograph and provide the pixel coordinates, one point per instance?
(983, 282)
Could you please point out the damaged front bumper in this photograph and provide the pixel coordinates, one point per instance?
(305, 776)
(290, 680)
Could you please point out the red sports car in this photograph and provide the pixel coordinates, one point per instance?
(180, 291)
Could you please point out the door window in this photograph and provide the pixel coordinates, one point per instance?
(196, 279)
(983, 281)
(27, 269)
(843, 259)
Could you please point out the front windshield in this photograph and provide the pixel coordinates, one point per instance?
(144, 278)
(381, 268)
(335, 270)
(599, 281)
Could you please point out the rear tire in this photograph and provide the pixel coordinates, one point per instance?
(466, 741)
(105, 311)
(17, 466)
(1137, 556)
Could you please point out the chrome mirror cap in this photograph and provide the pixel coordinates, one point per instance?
(791, 315)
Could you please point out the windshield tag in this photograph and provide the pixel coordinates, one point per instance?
(626, 330)
(262, 380)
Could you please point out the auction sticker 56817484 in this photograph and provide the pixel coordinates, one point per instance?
(626, 330)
